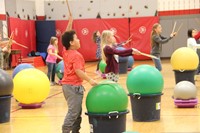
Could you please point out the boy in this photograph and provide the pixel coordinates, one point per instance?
(72, 80)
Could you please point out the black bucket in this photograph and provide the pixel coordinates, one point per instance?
(184, 75)
(5, 102)
(113, 122)
(123, 65)
(145, 107)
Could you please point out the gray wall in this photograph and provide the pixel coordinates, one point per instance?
(189, 21)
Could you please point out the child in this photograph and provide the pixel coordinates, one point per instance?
(5, 50)
(156, 43)
(191, 42)
(97, 39)
(110, 55)
(74, 74)
(52, 56)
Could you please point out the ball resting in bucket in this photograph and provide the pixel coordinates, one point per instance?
(107, 108)
(145, 85)
(6, 89)
(31, 86)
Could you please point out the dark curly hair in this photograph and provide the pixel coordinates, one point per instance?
(67, 37)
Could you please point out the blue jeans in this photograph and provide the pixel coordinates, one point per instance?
(157, 63)
(51, 71)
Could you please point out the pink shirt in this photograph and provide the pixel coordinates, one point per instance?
(51, 58)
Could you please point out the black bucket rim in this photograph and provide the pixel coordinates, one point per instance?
(184, 70)
(144, 95)
(5, 96)
(110, 114)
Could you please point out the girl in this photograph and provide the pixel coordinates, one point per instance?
(110, 55)
(97, 39)
(156, 43)
(191, 42)
(52, 56)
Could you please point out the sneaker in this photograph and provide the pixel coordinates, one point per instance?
(53, 83)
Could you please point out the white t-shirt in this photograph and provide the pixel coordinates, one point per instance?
(191, 43)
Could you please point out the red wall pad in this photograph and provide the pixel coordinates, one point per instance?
(24, 33)
(141, 29)
(119, 26)
(85, 29)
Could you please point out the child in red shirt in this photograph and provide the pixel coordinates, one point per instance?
(74, 74)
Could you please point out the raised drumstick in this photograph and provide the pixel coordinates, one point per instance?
(174, 27)
(68, 7)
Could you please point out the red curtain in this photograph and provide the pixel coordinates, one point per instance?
(141, 29)
(24, 33)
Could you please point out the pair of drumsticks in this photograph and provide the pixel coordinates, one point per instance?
(11, 40)
(174, 27)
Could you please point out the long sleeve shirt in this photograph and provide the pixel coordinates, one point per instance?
(191, 43)
(112, 64)
(157, 41)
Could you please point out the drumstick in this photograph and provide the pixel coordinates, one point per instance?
(148, 55)
(174, 27)
(68, 7)
(20, 44)
(130, 36)
(11, 39)
(179, 27)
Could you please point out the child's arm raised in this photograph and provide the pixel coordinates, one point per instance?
(69, 25)
(84, 76)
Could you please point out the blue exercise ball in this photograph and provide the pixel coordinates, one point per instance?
(21, 67)
(130, 61)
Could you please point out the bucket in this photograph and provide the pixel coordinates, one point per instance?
(123, 65)
(5, 102)
(113, 122)
(145, 107)
(184, 75)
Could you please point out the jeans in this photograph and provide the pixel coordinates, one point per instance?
(157, 63)
(74, 97)
(51, 71)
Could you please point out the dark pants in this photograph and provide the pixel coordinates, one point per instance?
(74, 97)
(51, 71)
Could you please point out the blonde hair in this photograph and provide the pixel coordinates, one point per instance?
(153, 32)
(52, 42)
(104, 41)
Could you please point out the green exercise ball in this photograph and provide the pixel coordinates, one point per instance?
(102, 66)
(106, 97)
(145, 79)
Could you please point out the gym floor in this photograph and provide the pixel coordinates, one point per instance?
(49, 118)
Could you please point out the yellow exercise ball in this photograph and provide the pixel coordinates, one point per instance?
(31, 86)
(184, 58)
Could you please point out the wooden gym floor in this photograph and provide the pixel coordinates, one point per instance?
(49, 118)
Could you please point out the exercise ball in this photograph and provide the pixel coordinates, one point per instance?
(144, 79)
(102, 66)
(60, 69)
(21, 67)
(6, 83)
(31, 86)
(184, 59)
(185, 90)
(130, 61)
(106, 97)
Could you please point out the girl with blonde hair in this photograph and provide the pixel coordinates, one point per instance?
(110, 55)
(52, 56)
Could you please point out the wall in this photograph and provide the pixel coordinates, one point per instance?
(81, 9)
